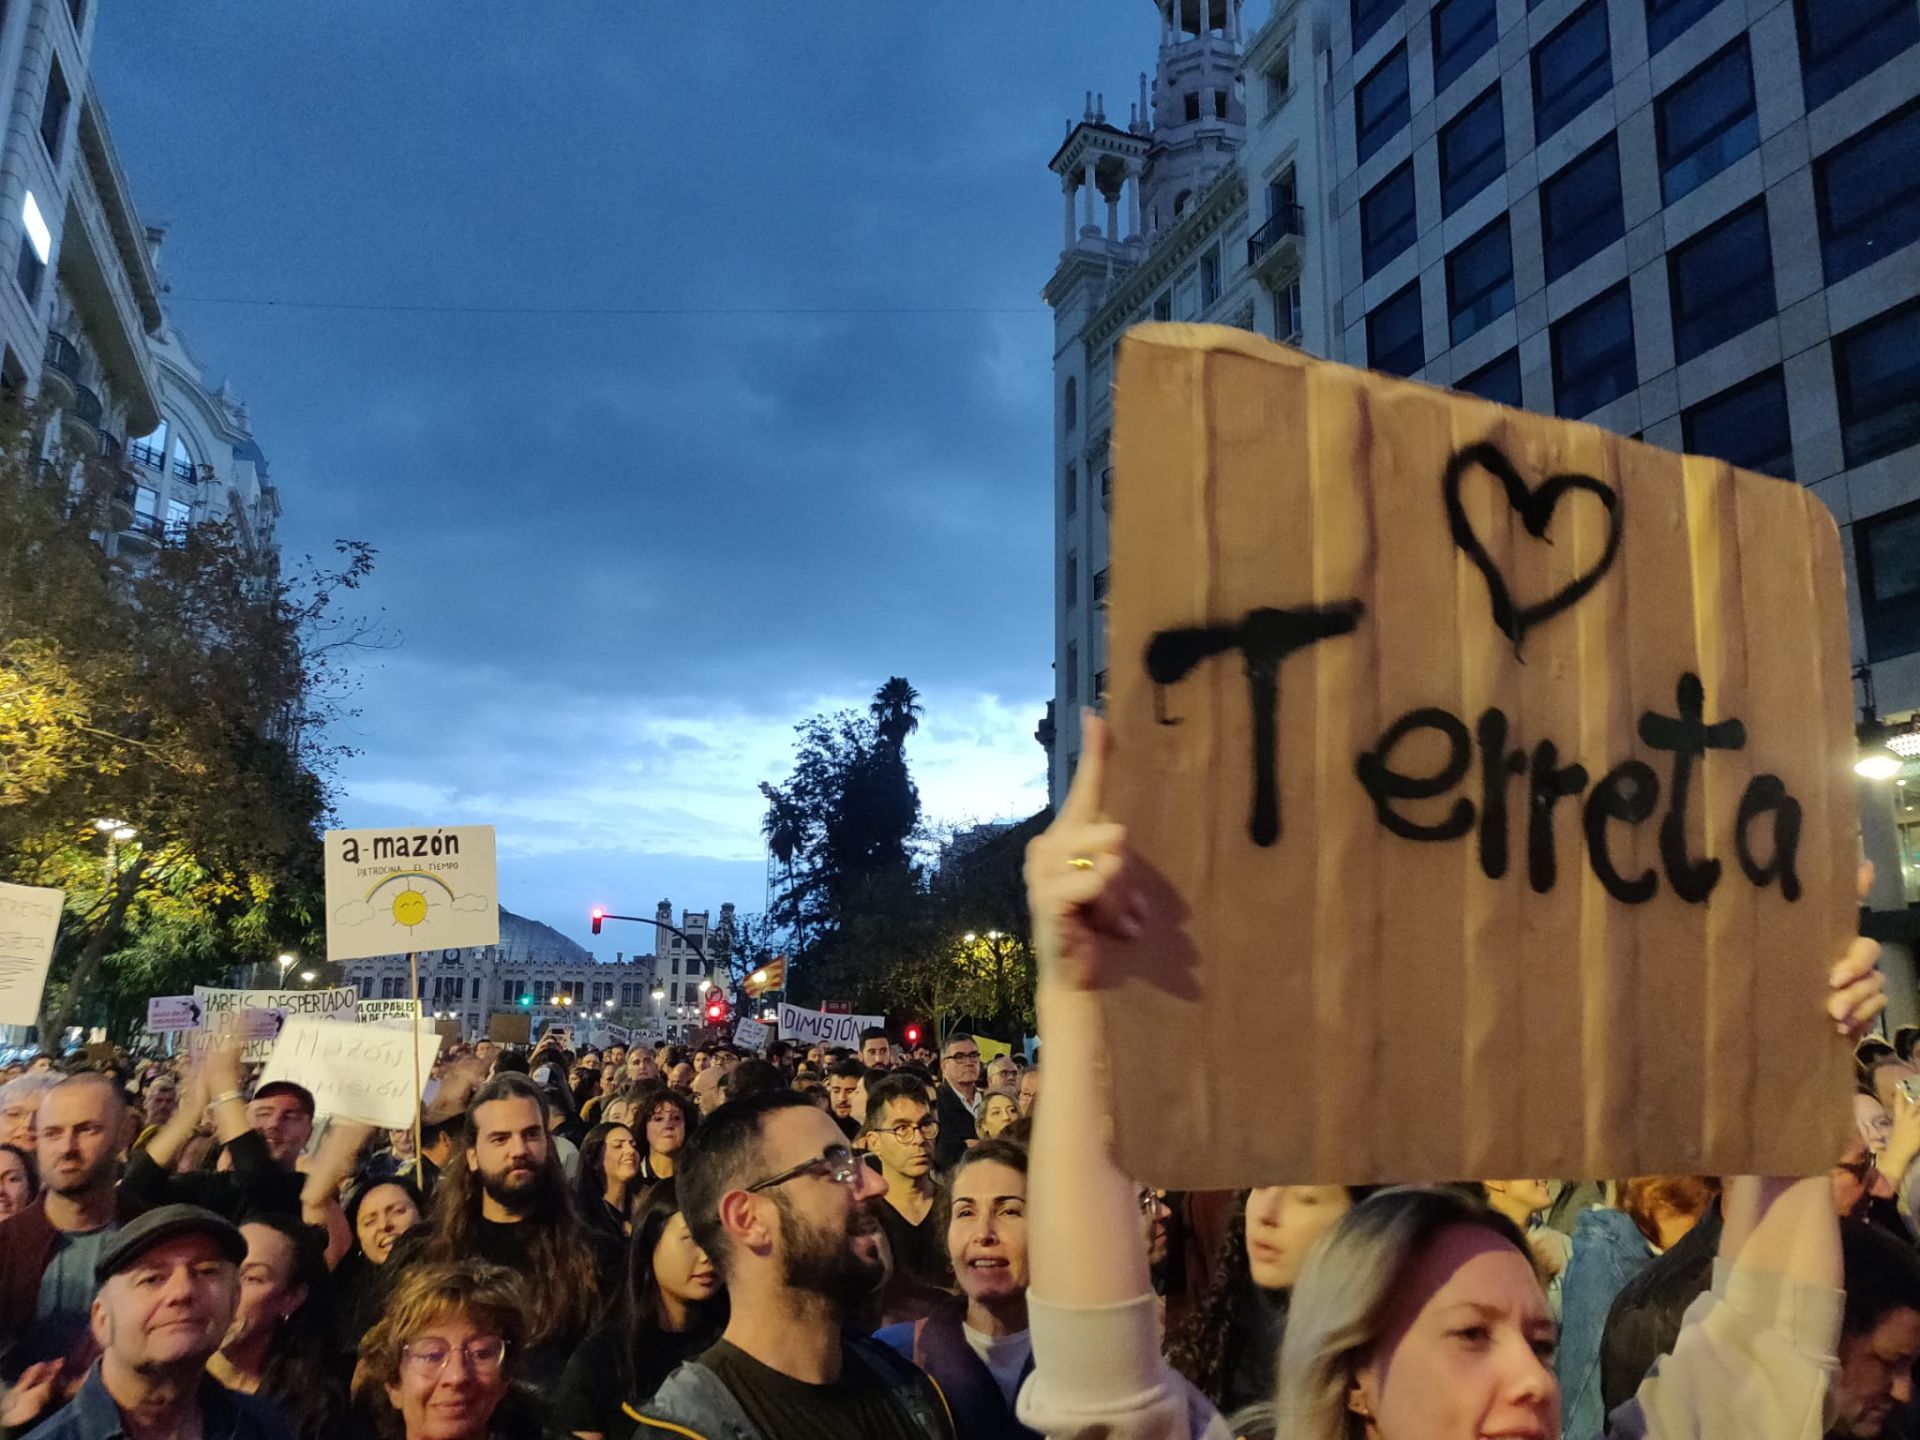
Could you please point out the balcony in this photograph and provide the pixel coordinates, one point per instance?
(62, 371)
(1274, 248)
(142, 535)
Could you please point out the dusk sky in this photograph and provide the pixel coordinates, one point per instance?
(624, 553)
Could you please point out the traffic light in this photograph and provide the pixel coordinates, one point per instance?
(526, 1000)
(913, 1036)
(599, 914)
(716, 1010)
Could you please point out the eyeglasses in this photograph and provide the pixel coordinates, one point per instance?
(905, 1130)
(964, 1055)
(838, 1164)
(428, 1358)
(1151, 1200)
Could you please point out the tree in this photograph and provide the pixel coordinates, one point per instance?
(189, 698)
(895, 710)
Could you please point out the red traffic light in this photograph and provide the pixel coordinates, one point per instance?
(913, 1035)
(599, 914)
(716, 1011)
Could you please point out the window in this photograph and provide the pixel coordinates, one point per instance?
(1073, 487)
(150, 450)
(179, 520)
(1099, 587)
(1580, 209)
(1279, 80)
(1593, 355)
(1473, 151)
(1070, 402)
(1842, 40)
(1380, 108)
(1369, 16)
(53, 111)
(1876, 368)
(1498, 382)
(1479, 281)
(1099, 685)
(1463, 31)
(1073, 672)
(1745, 426)
(1571, 69)
(1867, 192)
(1219, 104)
(1387, 219)
(1667, 20)
(1394, 340)
(36, 247)
(1073, 579)
(1283, 194)
(1191, 102)
(1721, 282)
(1706, 122)
(1887, 550)
(1163, 307)
(1209, 278)
(1286, 312)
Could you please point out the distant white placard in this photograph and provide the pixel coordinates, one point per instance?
(751, 1035)
(172, 1012)
(618, 1034)
(816, 1027)
(29, 920)
(267, 1009)
(358, 1072)
(372, 1012)
(390, 891)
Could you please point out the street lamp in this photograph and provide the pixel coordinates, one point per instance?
(659, 994)
(307, 977)
(118, 832)
(609, 1002)
(285, 962)
(705, 985)
(968, 938)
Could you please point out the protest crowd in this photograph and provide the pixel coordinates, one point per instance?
(891, 1244)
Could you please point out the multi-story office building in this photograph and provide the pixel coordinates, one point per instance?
(81, 324)
(1204, 207)
(538, 971)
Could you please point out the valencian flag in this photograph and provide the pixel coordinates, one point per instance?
(770, 976)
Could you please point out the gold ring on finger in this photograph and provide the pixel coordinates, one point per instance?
(1081, 862)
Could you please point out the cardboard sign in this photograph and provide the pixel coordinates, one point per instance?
(261, 1013)
(172, 1012)
(448, 1029)
(816, 1027)
(510, 1027)
(29, 920)
(371, 1012)
(358, 1072)
(752, 1035)
(1491, 773)
(618, 1034)
(399, 890)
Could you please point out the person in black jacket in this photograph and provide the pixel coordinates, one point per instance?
(1871, 1396)
(1645, 1318)
(959, 1090)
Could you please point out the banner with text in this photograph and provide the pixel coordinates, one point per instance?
(268, 1011)
(1459, 744)
(816, 1027)
(394, 891)
(29, 920)
(372, 1012)
(358, 1072)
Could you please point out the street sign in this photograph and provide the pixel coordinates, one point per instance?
(172, 1012)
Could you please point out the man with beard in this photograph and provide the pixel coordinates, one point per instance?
(783, 1209)
(168, 1286)
(510, 1205)
(1871, 1394)
(48, 1250)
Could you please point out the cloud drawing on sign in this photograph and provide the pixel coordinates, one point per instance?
(407, 900)
(471, 903)
(354, 912)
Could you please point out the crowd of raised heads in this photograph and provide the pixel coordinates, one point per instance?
(889, 1242)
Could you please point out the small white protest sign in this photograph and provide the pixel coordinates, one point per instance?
(259, 1030)
(172, 1012)
(29, 920)
(751, 1035)
(372, 1012)
(390, 891)
(816, 1027)
(358, 1072)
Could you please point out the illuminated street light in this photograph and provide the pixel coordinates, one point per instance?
(659, 994)
(307, 977)
(968, 938)
(705, 985)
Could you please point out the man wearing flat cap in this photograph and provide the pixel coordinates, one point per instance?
(169, 1282)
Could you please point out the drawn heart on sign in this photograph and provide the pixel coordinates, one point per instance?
(1535, 506)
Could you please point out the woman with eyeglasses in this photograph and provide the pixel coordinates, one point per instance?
(439, 1365)
(672, 1308)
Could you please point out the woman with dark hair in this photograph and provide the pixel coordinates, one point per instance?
(441, 1363)
(609, 1169)
(672, 1308)
(379, 1212)
(19, 1182)
(1229, 1348)
(665, 1120)
(281, 1343)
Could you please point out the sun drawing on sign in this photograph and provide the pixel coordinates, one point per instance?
(408, 899)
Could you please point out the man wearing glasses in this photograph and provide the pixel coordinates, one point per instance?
(784, 1210)
(961, 1099)
(901, 1131)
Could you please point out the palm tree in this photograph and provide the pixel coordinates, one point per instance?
(896, 710)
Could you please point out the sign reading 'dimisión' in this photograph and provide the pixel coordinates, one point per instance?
(394, 891)
(1499, 764)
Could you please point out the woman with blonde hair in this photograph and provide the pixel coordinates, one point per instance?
(440, 1364)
